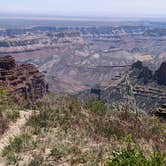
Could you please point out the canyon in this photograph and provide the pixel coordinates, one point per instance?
(82, 93)
(138, 88)
(76, 59)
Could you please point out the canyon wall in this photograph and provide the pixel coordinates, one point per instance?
(21, 82)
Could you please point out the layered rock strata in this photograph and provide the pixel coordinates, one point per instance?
(22, 82)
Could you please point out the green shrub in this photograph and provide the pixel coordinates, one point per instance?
(12, 114)
(15, 145)
(2, 93)
(37, 122)
(157, 159)
(132, 156)
(96, 106)
(107, 128)
(56, 153)
(60, 151)
(3, 99)
(13, 159)
(45, 119)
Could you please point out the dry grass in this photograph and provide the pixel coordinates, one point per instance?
(8, 111)
(68, 132)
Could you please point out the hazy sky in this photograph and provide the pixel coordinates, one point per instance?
(86, 7)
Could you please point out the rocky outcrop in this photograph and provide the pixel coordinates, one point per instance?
(145, 75)
(137, 87)
(137, 65)
(7, 63)
(22, 82)
(160, 74)
(161, 111)
(142, 72)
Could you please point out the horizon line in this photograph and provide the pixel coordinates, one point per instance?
(81, 17)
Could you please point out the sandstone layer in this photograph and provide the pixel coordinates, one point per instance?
(22, 82)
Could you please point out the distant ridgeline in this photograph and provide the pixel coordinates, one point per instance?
(31, 42)
(140, 87)
(22, 82)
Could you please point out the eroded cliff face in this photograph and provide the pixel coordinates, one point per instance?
(138, 87)
(39, 41)
(22, 82)
(160, 74)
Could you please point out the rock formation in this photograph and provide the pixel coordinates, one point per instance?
(137, 65)
(160, 74)
(161, 111)
(137, 86)
(142, 72)
(32, 42)
(22, 82)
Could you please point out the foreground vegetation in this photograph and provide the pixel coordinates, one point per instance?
(8, 111)
(64, 131)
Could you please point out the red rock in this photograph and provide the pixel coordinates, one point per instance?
(23, 82)
(7, 62)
